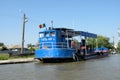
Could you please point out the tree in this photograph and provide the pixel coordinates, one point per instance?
(1, 44)
(31, 47)
(91, 41)
(2, 47)
(118, 46)
(101, 41)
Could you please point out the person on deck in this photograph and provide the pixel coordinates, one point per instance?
(73, 44)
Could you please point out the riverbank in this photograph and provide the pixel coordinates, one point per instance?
(19, 60)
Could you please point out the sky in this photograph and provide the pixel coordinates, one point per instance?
(101, 17)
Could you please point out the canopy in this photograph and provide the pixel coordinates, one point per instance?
(72, 33)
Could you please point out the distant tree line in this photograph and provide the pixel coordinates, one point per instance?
(100, 41)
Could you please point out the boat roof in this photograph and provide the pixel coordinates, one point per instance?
(87, 34)
(64, 29)
(68, 32)
(72, 33)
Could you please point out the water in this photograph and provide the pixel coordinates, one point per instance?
(107, 68)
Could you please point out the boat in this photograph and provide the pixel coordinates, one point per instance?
(58, 44)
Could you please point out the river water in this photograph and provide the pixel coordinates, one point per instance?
(107, 68)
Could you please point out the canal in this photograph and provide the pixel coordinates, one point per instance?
(107, 68)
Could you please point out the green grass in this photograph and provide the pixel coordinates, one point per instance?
(17, 57)
(4, 56)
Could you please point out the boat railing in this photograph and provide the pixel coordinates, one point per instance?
(53, 45)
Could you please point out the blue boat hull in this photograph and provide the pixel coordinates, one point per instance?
(54, 53)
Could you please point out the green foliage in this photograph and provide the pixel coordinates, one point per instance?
(1, 44)
(32, 49)
(104, 41)
(91, 41)
(118, 46)
(5, 56)
(2, 47)
(101, 41)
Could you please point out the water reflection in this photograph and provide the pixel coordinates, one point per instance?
(107, 68)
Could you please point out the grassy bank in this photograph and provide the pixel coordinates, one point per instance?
(4, 56)
(7, 57)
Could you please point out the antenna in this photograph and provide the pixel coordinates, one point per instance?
(52, 24)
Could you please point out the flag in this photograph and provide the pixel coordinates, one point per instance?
(42, 25)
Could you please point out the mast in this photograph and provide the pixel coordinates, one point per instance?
(52, 24)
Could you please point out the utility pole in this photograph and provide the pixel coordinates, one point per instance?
(113, 42)
(96, 43)
(23, 32)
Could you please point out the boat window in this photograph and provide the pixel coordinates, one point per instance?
(41, 35)
(59, 34)
(52, 33)
(47, 34)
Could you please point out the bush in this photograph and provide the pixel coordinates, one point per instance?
(32, 49)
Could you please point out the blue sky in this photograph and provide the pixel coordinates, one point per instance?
(97, 16)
